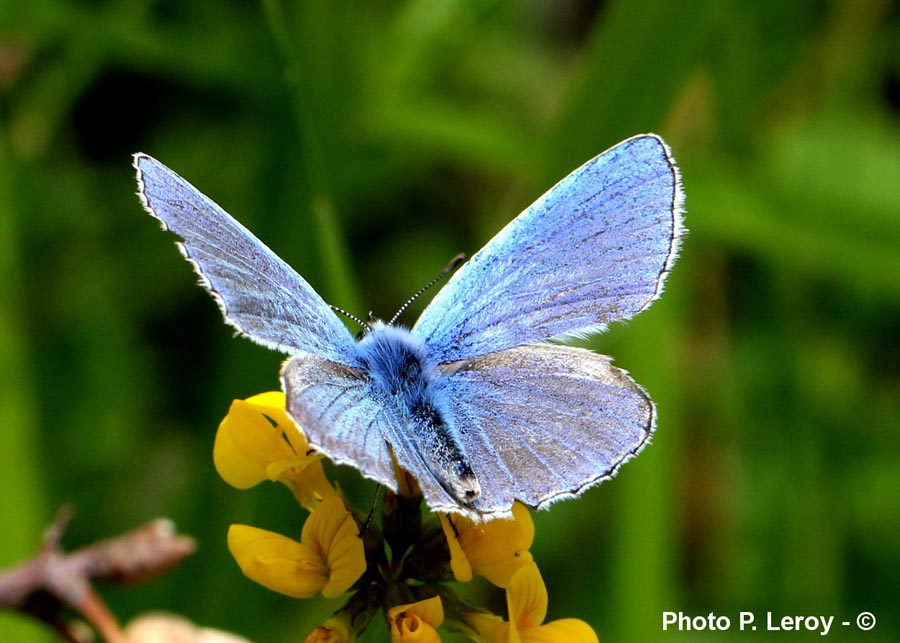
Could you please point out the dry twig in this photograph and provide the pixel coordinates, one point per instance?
(54, 580)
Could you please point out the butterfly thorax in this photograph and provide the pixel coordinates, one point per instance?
(397, 364)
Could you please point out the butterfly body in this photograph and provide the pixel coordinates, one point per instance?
(403, 376)
(471, 401)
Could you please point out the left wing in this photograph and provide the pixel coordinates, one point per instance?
(334, 407)
(544, 422)
(258, 293)
(343, 416)
(594, 249)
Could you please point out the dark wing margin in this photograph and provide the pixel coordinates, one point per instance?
(258, 293)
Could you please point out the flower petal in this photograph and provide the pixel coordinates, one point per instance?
(416, 621)
(334, 535)
(497, 549)
(335, 629)
(272, 401)
(277, 562)
(255, 434)
(489, 627)
(526, 598)
(565, 630)
(308, 484)
(462, 570)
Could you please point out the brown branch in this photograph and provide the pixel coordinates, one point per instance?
(53, 580)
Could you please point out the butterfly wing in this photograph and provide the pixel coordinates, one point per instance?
(339, 415)
(594, 249)
(545, 422)
(344, 417)
(259, 294)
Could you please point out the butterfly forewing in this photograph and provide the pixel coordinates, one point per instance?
(259, 294)
(593, 250)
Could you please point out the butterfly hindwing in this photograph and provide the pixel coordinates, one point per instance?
(339, 415)
(544, 422)
(594, 249)
(347, 418)
(259, 294)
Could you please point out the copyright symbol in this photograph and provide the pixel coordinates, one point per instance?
(865, 621)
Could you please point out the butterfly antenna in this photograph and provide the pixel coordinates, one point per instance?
(351, 316)
(450, 267)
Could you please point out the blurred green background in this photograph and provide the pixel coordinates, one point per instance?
(367, 143)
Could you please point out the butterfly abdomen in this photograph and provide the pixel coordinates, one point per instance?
(399, 368)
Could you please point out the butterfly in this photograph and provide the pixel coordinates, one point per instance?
(472, 401)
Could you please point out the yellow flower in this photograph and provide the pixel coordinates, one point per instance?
(416, 622)
(495, 549)
(335, 629)
(329, 557)
(489, 627)
(258, 441)
(526, 600)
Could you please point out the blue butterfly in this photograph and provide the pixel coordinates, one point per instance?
(472, 401)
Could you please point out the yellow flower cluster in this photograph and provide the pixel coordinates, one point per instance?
(400, 566)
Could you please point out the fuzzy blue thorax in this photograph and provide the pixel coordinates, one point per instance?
(397, 362)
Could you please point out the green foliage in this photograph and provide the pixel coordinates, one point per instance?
(367, 143)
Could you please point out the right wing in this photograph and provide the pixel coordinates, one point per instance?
(596, 248)
(258, 293)
(545, 422)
